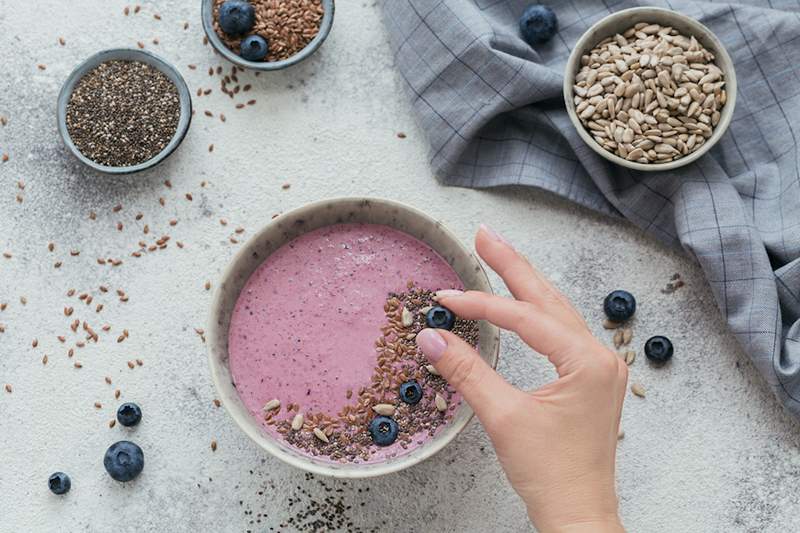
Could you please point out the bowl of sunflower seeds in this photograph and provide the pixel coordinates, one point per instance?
(650, 89)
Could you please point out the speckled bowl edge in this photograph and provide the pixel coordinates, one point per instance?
(287, 227)
(622, 20)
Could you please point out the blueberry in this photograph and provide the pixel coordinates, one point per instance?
(538, 24)
(440, 318)
(411, 392)
(658, 349)
(236, 17)
(124, 460)
(254, 48)
(383, 430)
(59, 483)
(619, 306)
(129, 414)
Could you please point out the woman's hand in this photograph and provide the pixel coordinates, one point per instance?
(557, 444)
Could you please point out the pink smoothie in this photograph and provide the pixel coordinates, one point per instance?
(305, 324)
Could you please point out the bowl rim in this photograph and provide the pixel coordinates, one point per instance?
(125, 54)
(267, 443)
(207, 15)
(702, 33)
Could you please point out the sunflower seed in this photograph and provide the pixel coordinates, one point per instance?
(297, 422)
(610, 324)
(440, 402)
(321, 435)
(272, 404)
(627, 335)
(630, 357)
(384, 409)
(407, 318)
(638, 390)
(432, 370)
(618, 338)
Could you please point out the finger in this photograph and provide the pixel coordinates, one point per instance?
(538, 330)
(522, 278)
(484, 389)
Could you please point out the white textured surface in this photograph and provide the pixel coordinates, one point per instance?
(707, 450)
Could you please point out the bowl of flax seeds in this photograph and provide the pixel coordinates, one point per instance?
(123, 111)
(293, 29)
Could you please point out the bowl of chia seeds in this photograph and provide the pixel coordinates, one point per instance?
(267, 34)
(123, 111)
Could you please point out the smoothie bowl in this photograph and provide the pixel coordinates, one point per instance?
(312, 330)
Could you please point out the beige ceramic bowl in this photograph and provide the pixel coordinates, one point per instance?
(289, 226)
(619, 22)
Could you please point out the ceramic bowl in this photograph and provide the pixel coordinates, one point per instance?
(619, 22)
(286, 228)
(125, 54)
(236, 59)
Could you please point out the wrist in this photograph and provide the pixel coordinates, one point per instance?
(598, 524)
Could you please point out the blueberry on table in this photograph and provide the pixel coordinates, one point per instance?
(658, 349)
(619, 306)
(129, 414)
(254, 48)
(124, 460)
(383, 430)
(538, 24)
(236, 17)
(440, 318)
(411, 392)
(59, 483)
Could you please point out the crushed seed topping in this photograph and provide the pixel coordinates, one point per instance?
(343, 436)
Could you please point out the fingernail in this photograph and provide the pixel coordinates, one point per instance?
(448, 293)
(494, 235)
(432, 344)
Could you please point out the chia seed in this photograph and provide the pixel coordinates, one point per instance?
(123, 113)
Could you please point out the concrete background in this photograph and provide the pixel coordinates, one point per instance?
(707, 450)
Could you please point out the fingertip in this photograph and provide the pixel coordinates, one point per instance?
(432, 344)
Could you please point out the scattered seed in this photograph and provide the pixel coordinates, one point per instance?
(112, 422)
(210, 147)
(117, 393)
(98, 405)
(401, 135)
(189, 196)
(213, 445)
(41, 66)
(9, 389)
(78, 364)
(610, 324)
(630, 357)
(108, 380)
(618, 338)
(627, 335)
(217, 403)
(638, 390)
(208, 285)
(620, 434)
(44, 359)
(286, 186)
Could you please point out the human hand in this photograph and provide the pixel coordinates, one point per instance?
(556, 444)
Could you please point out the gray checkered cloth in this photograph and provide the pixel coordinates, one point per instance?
(493, 112)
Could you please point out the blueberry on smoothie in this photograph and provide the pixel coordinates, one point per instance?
(538, 24)
(236, 17)
(129, 414)
(254, 48)
(440, 318)
(619, 306)
(658, 349)
(411, 392)
(124, 460)
(383, 430)
(59, 483)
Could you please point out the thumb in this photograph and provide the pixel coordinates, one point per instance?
(484, 389)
